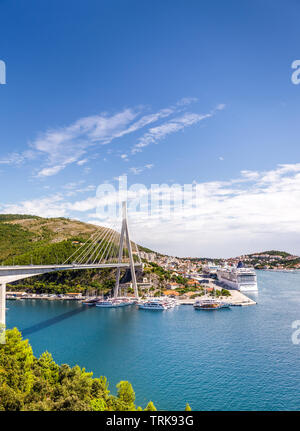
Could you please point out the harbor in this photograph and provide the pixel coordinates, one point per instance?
(223, 356)
(236, 297)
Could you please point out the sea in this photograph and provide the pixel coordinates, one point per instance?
(242, 358)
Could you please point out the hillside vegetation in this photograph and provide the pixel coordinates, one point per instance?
(29, 239)
(29, 383)
(26, 239)
(272, 253)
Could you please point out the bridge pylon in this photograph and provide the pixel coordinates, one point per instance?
(125, 236)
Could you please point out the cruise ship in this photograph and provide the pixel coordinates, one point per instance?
(240, 278)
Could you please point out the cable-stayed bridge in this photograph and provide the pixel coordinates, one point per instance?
(106, 248)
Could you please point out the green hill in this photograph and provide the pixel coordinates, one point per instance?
(26, 239)
(272, 253)
(30, 239)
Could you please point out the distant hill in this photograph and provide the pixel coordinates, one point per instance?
(272, 253)
(272, 259)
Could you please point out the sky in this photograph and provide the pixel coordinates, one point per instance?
(186, 92)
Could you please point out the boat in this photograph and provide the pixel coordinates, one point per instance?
(238, 277)
(108, 303)
(158, 304)
(114, 302)
(90, 302)
(210, 304)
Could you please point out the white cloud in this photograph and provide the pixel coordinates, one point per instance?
(139, 170)
(68, 145)
(136, 171)
(49, 206)
(158, 133)
(17, 158)
(187, 101)
(57, 148)
(124, 157)
(257, 211)
(47, 172)
(82, 162)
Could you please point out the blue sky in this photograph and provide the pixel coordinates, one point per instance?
(165, 92)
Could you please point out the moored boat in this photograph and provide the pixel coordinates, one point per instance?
(210, 304)
(114, 302)
(240, 278)
(158, 304)
(90, 302)
(153, 305)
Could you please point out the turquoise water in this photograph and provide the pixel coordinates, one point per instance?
(232, 359)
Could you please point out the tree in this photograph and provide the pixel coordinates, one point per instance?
(10, 399)
(16, 358)
(98, 405)
(39, 384)
(150, 407)
(49, 369)
(126, 394)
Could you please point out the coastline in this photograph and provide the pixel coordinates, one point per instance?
(237, 298)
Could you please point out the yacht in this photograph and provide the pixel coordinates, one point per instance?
(91, 301)
(240, 278)
(158, 304)
(113, 303)
(210, 304)
(153, 305)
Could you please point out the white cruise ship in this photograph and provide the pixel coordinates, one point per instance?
(240, 278)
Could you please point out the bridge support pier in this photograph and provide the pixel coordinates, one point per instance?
(2, 311)
(125, 232)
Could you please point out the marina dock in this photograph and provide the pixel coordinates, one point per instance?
(237, 298)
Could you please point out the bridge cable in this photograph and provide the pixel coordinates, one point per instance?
(112, 242)
(100, 245)
(89, 244)
(81, 258)
(104, 251)
(96, 232)
(109, 243)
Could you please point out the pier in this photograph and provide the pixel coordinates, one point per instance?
(237, 298)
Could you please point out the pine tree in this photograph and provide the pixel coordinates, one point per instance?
(150, 407)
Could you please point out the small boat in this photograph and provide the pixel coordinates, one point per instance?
(153, 305)
(90, 302)
(114, 302)
(157, 304)
(210, 304)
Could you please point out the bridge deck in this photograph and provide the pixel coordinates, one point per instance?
(70, 266)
